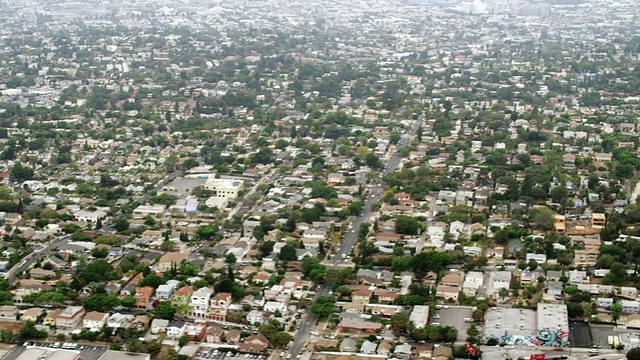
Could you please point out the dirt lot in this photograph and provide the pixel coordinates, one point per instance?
(13, 326)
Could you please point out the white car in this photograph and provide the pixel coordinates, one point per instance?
(594, 351)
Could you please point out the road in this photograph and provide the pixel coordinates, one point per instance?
(500, 353)
(28, 260)
(346, 246)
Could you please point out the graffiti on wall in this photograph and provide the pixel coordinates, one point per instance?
(543, 337)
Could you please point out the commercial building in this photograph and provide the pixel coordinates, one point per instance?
(419, 316)
(48, 354)
(553, 324)
(224, 188)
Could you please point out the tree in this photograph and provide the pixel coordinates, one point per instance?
(165, 310)
(280, 339)
(100, 252)
(287, 253)
(406, 225)
(430, 261)
(128, 301)
(543, 218)
(29, 331)
(168, 246)
(324, 306)
(101, 302)
(633, 354)
(121, 224)
(152, 280)
(20, 173)
(183, 340)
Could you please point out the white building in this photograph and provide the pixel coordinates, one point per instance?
(255, 316)
(273, 306)
(199, 302)
(95, 320)
(419, 316)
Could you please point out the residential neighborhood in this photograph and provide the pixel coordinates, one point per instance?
(424, 179)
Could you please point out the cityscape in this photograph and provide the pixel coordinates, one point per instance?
(319, 180)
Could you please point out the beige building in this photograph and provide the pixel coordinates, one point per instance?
(70, 317)
(169, 259)
(224, 188)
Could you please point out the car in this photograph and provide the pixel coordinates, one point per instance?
(594, 351)
(558, 349)
(435, 324)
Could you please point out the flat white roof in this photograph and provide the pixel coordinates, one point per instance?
(501, 321)
(553, 316)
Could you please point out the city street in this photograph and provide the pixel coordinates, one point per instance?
(346, 246)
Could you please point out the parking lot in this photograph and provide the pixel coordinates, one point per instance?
(88, 352)
(579, 334)
(205, 353)
(453, 316)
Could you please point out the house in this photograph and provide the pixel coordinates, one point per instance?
(119, 321)
(164, 291)
(628, 292)
(274, 306)
(305, 253)
(70, 317)
(218, 306)
(175, 329)
(8, 313)
(39, 273)
(199, 302)
(387, 297)
(195, 331)
(142, 296)
(384, 348)
(402, 351)
(141, 323)
(95, 320)
(169, 260)
(255, 316)
(598, 221)
(578, 277)
(214, 335)
(50, 318)
(586, 257)
(32, 314)
(630, 306)
(423, 351)
(472, 282)
(233, 336)
(604, 302)
(181, 296)
(539, 258)
(442, 353)
(501, 280)
(353, 324)
(255, 344)
(447, 292)
(348, 345)
(368, 347)
(159, 325)
(362, 296)
(327, 344)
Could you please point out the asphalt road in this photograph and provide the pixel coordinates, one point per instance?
(346, 246)
(28, 260)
